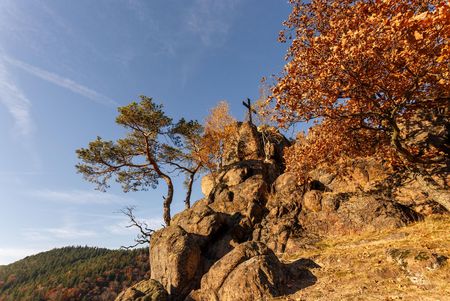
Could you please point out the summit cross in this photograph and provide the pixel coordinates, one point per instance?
(248, 105)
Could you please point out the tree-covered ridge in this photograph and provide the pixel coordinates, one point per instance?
(73, 273)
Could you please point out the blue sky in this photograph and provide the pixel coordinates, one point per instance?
(65, 66)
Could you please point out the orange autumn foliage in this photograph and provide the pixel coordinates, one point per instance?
(220, 130)
(368, 72)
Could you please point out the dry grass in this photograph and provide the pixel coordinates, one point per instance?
(358, 267)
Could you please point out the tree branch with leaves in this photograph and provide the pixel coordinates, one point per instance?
(138, 161)
(368, 73)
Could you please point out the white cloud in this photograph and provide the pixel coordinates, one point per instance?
(66, 232)
(9, 255)
(211, 20)
(69, 233)
(78, 196)
(15, 101)
(61, 81)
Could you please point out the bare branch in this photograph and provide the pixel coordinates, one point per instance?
(145, 231)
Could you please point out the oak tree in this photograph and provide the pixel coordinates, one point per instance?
(374, 77)
(220, 132)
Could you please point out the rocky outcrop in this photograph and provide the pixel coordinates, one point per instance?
(207, 184)
(175, 259)
(286, 191)
(200, 220)
(263, 143)
(251, 271)
(346, 213)
(225, 247)
(248, 145)
(146, 290)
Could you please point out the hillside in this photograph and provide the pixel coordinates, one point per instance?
(73, 273)
(403, 264)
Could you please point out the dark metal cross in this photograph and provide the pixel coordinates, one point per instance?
(248, 105)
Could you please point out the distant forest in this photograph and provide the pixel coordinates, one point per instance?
(73, 273)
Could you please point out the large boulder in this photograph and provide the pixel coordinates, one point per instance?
(286, 184)
(200, 219)
(286, 191)
(356, 213)
(312, 200)
(207, 184)
(235, 175)
(238, 198)
(146, 290)
(197, 237)
(351, 176)
(175, 258)
(250, 272)
(248, 145)
(280, 229)
(263, 143)
(216, 232)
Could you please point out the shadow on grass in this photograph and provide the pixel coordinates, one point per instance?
(299, 275)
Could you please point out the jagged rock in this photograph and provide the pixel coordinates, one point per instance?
(429, 208)
(250, 272)
(146, 290)
(331, 200)
(322, 176)
(218, 231)
(414, 193)
(286, 183)
(280, 228)
(197, 237)
(238, 198)
(353, 176)
(410, 194)
(252, 143)
(175, 258)
(286, 191)
(248, 145)
(372, 177)
(357, 214)
(200, 219)
(235, 175)
(230, 179)
(312, 200)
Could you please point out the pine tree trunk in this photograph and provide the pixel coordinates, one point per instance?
(167, 199)
(187, 201)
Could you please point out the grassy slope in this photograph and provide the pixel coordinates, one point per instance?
(360, 267)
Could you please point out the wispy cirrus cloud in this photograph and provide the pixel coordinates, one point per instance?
(211, 20)
(15, 101)
(79, 196)
(66, 232)
(61, 81)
